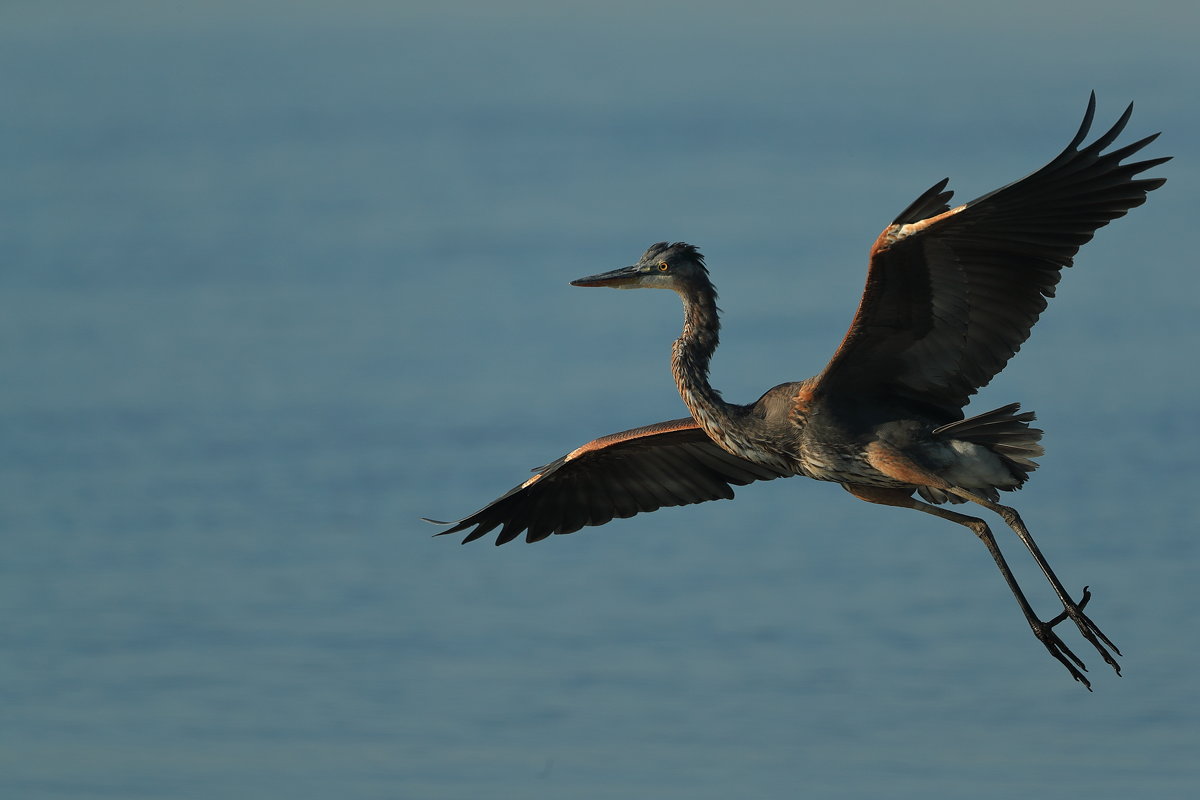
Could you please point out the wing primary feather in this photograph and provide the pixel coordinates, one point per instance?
(1084, 127)
(1110, 136)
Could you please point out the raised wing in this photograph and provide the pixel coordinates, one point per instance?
(668, 464)
(952, 293)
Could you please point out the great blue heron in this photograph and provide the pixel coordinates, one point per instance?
(951, 295)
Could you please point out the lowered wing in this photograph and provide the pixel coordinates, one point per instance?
(667, 464)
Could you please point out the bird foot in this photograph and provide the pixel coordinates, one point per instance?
(1074, 611)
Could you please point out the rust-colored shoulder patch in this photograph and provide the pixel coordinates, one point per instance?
(636, 433)
(885, 240)
(895, 233)
(803, 398)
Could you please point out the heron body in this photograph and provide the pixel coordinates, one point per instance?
(951, 295)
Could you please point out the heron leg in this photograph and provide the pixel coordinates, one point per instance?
(1044, 631)
(1072, 609)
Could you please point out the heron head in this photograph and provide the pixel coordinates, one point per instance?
(676, 266)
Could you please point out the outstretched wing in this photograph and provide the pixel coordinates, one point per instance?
(952, 293)
(668, 464)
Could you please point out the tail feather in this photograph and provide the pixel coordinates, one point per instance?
(1006, 433)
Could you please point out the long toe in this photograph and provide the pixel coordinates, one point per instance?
(1065, 656)
(1090, 630)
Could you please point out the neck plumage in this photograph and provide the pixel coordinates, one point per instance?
(689, 363)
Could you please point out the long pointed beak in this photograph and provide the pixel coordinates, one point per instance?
(623, 278)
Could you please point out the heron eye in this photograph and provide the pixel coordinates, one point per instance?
(662, 266)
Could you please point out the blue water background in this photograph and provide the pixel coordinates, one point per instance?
(276, 279)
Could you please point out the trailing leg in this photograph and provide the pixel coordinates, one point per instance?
(1044, 631)
(1071, 609)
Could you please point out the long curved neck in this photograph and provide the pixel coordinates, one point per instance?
(690, 357)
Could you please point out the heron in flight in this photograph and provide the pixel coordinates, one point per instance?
(951, 295)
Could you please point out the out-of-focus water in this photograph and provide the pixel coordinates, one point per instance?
(277, 279)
